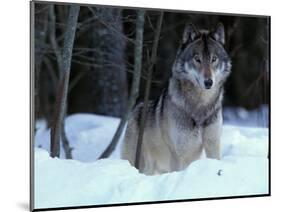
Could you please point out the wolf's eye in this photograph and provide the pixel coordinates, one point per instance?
(197, 59)
(214, 59)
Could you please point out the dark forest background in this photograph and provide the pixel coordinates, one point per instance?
(103, 57)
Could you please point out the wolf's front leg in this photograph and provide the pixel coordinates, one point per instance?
(212, 136)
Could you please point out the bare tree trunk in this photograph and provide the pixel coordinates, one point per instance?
(53, 40)
(60, 106)
(65, 144)
(147, 88)
(135, 84)
(59, 58)
(41, 15)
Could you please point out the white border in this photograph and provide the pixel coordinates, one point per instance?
(14, 88)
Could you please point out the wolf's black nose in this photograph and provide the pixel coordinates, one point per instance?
(208, 83)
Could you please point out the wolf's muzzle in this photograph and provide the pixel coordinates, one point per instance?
(208, 83)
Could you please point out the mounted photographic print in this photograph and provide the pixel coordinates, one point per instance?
(139, 105)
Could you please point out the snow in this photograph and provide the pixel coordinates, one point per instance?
(243, 169)
(241, 117)
(88, 135)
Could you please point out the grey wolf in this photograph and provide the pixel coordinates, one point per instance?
(186, 119)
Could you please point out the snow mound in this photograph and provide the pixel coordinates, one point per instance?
(61, 183)
(243, 169)
(239, 141)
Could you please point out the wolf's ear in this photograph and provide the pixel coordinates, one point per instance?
(190, 33)
(218, 34)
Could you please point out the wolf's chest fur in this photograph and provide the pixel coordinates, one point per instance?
(190, 107)
(187, 113)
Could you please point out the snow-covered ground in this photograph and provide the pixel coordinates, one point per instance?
(88, 135)
(243, 169)
(241, 117)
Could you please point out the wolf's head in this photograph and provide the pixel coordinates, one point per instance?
(202, 58)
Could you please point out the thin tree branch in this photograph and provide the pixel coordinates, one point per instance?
(74, 82)
(51, 71)
(135, 84)
(53, 39)
(111, 27)
(147, 88)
